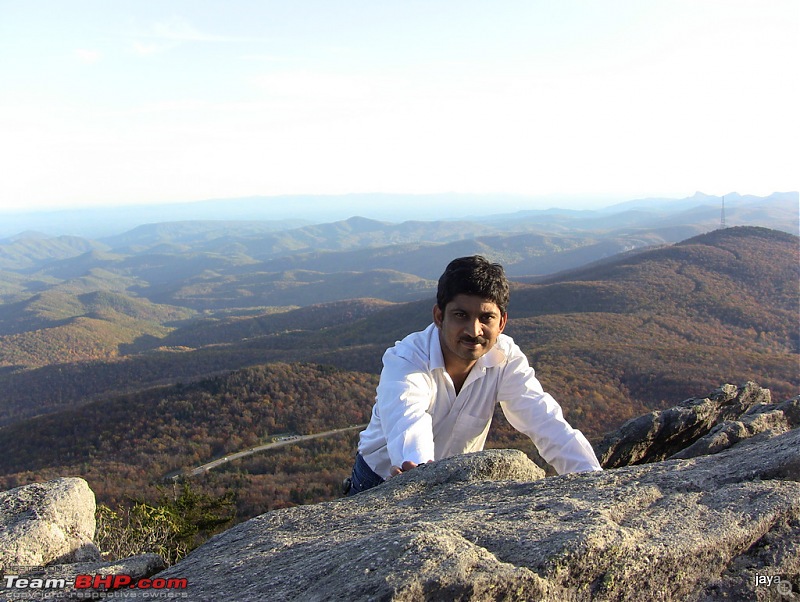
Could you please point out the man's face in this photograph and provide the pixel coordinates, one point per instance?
(468, 329)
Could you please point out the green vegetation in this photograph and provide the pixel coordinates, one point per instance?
(172, 529)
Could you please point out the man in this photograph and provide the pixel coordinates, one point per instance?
(439, 387)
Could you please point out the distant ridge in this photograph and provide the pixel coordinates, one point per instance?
(721, 303)
(715, 237)
(104, 222)
(732, 199)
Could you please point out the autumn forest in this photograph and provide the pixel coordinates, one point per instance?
(131, 364)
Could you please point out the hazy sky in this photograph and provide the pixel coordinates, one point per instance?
(144, 101)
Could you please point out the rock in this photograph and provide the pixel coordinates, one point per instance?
(766, 419)
(45, 534)
(701, 528)
(46, 523)
(491, 465)
(660, 435)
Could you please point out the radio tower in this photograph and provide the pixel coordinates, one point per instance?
(722, 225)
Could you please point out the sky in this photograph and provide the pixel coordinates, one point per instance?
(146, 101)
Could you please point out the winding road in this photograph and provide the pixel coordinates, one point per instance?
(283, 441)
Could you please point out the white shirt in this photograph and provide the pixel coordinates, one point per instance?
(417, 415)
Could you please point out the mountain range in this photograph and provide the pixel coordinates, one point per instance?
(161, 348)
(778, 210)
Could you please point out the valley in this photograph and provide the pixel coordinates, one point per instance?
(162, 349)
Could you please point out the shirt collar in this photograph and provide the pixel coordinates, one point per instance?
(437, 357)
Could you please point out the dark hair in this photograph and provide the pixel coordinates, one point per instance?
(473, 276)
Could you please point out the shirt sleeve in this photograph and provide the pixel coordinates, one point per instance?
(535, 413)
(403, 397)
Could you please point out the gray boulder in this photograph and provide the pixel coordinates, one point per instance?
(764, 419)
(703, 528)
(661, 434)
(46, 532)
(46, 523)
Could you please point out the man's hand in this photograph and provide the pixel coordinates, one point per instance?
(407, 465)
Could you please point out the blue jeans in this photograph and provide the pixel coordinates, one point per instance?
(363, 477)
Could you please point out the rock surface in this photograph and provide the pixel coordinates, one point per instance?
(718, 519)
(46, 532)
(43, 523)
(761, 419)
(703, 528)
(659, 435)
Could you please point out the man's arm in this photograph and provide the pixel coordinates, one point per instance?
(532, 411)
(403, 397)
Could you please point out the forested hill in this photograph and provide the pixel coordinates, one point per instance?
(742, 276)
(609, 341)
(125, 446)
(750, 255)
(665, 323)
(654, 325)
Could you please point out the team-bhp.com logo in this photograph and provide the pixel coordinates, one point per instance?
(29, 586)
